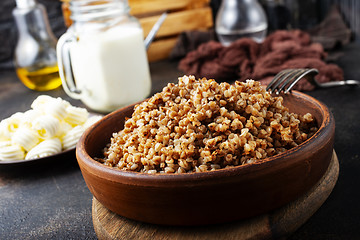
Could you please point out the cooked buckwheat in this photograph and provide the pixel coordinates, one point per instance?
(200, 125)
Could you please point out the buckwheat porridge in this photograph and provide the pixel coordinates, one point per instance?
(200, 125)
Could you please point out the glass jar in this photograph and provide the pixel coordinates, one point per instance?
(240, 18)
(279, 16)
(35, 53)
(102, 57)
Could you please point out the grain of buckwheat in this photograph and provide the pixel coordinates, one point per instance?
(200, 125)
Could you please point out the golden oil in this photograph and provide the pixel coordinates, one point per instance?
(43, 79)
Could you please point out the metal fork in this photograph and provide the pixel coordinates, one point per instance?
(286, 79)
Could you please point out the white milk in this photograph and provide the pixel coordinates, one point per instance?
(111, 68)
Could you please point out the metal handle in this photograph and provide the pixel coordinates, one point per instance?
(340, 83)
(65, 66)
(154, 30)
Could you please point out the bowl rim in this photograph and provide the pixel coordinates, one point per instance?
(139, 178)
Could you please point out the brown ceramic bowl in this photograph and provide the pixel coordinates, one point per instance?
(209, 197)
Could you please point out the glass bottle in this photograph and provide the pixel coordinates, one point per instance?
(35, 52)
(102, 57)
(240, 18)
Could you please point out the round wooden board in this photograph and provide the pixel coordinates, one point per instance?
(277, 224)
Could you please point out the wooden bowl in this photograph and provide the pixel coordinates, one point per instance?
(210, 197)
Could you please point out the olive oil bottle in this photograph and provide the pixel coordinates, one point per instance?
(35, 53)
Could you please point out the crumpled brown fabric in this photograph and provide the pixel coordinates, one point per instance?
(247, 59)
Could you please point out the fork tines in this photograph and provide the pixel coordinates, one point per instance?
(286, 79)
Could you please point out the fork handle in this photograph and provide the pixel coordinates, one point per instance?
(340, 83)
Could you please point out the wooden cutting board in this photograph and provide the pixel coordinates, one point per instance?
(277, 224)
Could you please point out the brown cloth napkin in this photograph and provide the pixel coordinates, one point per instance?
(246, 59)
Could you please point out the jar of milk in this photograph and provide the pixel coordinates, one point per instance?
(102, 58)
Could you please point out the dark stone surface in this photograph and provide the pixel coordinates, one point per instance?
(45, 202)
(339, 217)
(53, 202)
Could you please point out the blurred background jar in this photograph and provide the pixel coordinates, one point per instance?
(35, 53)
(102, 57)
(240, 18)
(278, 14)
